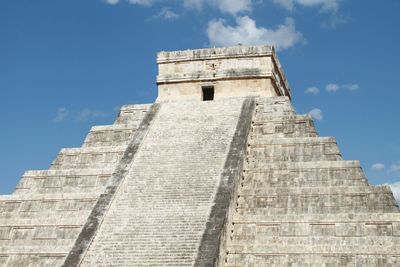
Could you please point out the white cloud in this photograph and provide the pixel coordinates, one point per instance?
(395, 189)
(137, 2)
(351, 87)
(312, 90)
(325, 5)
(332, 87)
(225, 6)
(112, 2)
(142, 2)
(166, 14)
(247, 32)
(395, 167)
(316, 114)
(62, 113)
(333, 21)
(196, 4)
(288, 4)
(234, 7)
(378, 166)
(87, 114)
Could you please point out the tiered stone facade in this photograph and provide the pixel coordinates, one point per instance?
(300, 204)
(238, 181)
(41, 221)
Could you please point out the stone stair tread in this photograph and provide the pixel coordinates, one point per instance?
(307, 247)
(112, 127)
(323, 190)
(65, 172)
(291, 140)
(55, 196)
(337, 217)
(60, 249)
(53, 220)
(87, 150)
(267, 166)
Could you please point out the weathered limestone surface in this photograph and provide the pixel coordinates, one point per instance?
(160, 211)
(238, 71)
(40, 222)
(300, 204)
(239, 181)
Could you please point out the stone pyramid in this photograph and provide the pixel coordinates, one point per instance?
(220, 171)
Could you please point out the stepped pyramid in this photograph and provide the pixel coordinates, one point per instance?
(220, 171)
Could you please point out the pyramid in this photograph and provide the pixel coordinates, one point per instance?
(219, 171)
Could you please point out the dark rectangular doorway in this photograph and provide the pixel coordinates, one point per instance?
(208, 93)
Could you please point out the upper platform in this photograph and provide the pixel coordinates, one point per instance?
(206, 74)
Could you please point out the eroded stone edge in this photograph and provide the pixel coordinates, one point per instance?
(214, 234)
(95, 218)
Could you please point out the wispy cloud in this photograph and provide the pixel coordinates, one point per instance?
(312, 90)
(246, 31)
(166, 14)
(112, 2)
(333, 21)
(324, 5)
(316, 114)
(142, 2)
(62, 113)
(333, 87)
(225, 6)
(351, 86)
(87, 114)
(378, 166)
(137, 2)
(395, 167)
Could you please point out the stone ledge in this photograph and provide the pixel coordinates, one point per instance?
(215, 53)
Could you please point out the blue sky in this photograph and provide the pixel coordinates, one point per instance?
(68, 65)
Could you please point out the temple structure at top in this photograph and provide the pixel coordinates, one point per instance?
(220, 72)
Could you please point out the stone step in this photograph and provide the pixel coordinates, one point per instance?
(306, 208)
(63, 181)
(110, 135)
(292, 149)
(307, 174)
(250, 231)
(282, 126)
(294, 191)
(62, 248)
(57, 220)
(17, 235)
(306, 166)
(320, 244)
(88, 158)
(44, 204)
(51, 215)
(312, 259)
(242, 216)
(274, 105)
(36, 259)
(333, 201)
(260, 118)
(304, 174)
(132, 114)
